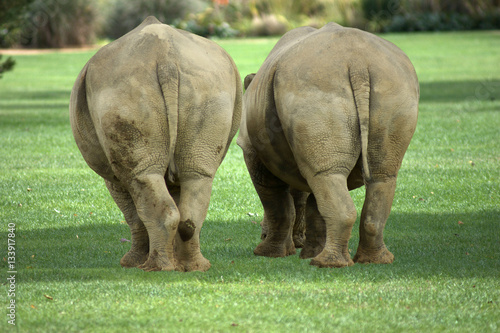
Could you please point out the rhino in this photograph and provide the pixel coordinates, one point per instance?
(153, 113)
(329, 110)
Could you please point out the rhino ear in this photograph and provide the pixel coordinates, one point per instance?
(248, 80)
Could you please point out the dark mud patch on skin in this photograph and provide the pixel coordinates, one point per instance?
(186, 230)
(123, 131)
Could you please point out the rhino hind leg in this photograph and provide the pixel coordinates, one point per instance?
(339, 213)
(384, 163)
(138, 253)
(376, 209)
(159, 214)
(193, 201)
(299, 226)
(279, 210)
(315, 230)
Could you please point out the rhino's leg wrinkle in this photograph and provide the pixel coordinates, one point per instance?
(278, 209)
(280, 215)
(315, 230)
(139, 250)
(299, 226)
(158, 212)
(193, 207)
(339, 213)
(376, 209)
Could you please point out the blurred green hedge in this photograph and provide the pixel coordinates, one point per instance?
(125, 15)
(430, 15)
(50, 23)
(59, 23)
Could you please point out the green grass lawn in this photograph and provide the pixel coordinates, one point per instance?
(444, 229)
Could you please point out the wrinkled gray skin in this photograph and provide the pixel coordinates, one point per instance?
(329, 110)
(299, 224)
(153, 113)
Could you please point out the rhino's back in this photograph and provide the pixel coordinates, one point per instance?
(132, 70)
(153, 80)
(140, 52)
(306, 84)
(330, 52)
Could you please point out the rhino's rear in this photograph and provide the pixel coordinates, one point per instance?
(154, 113)
(330, 110)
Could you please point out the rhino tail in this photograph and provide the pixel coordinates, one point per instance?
(79, 115)
(168, 78)
(360, 85)
(78, 107)
(83, 128)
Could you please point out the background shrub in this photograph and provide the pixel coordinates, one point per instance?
(430, 15)
(53, 23)
(266, 17)
(125, 15)
(6, 65)
(207, 24)
(59, 23)
(11, 20)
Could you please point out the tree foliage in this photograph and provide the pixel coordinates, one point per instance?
(48, 23)
(6, 65)
(55, 23)
(60, 23)
(10, 17)
(431, 15)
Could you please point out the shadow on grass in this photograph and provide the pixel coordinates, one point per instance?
(41, 95)
(460, 91)
(425, 245)
(33, 100)
(440, 91)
